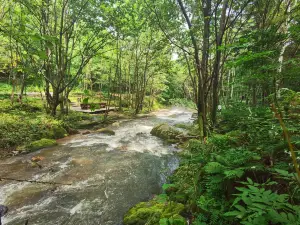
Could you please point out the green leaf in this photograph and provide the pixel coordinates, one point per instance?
(247, 201)
(236, 200)
(166, 186)
(164, 221)
(214, 167)
(241, 208)
(258, 205)
(233, 213)
(250, 181)
(252, 188)
(42, 54)
(291, 217)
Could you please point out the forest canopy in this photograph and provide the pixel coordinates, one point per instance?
(208, 52)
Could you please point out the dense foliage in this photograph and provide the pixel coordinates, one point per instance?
(242, 174)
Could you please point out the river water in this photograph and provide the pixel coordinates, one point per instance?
(106, 175)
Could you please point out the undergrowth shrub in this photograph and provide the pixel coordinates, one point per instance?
(243, 172)
(255, 204)
(212, 175)
(21, 129)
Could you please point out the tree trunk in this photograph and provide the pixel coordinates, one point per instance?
(22, 87)
(216, 71)
(254, 100)
(201, 67)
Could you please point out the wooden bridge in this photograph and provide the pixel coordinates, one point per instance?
(78, 108)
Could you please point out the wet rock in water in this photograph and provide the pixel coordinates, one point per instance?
(141, 134)
(123, 148)
(106, 131)
(154, 211)
(3, 210)
(15, 153)
(116, 124)
(194, 115)
(72, 131)
(86, 132)
(82, 161)
(165, 132)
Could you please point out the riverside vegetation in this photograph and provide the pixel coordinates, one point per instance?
(242, 174)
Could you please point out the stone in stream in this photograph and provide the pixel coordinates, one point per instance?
(166, 132)
(106, 131)
(86, 132)
(3, 211)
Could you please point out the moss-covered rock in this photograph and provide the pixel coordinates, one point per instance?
(152, 212)
(86, 124)
(57, 132)
(43, 143)
(165, 132)
(184, 126)
(106, 131)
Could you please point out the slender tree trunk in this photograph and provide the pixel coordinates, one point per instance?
(219, 40)
(206, 9)
(201, 67)
(254, 99)
(12, 74)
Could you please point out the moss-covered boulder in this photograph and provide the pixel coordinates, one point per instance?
(86, 124)
(43, 143)
(165, 131)
(57, 132)
(106, 131)
(153, 212)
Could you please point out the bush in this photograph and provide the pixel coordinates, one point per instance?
(256, 205)
(25, 127)
(5, 88)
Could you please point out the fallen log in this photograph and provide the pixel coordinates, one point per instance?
(183, 138)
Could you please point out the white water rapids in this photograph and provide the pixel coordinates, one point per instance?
(108, 175)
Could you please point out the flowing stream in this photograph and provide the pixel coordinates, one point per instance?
(108, 175)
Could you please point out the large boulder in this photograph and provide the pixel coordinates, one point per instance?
(165, 131)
